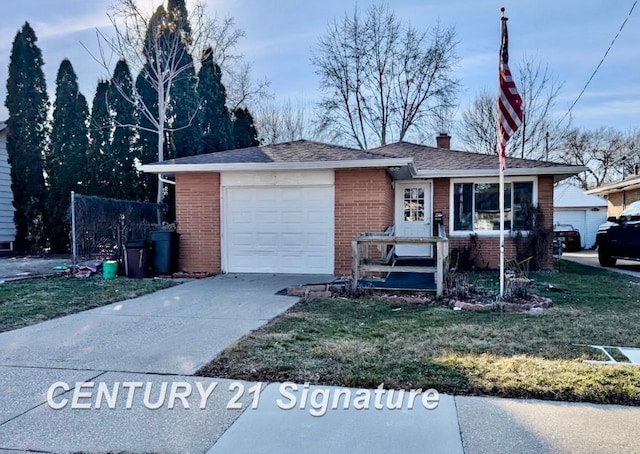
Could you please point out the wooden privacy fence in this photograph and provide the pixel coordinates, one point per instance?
(362, 263)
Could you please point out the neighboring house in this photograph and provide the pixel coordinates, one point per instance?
(619, 194)
(295, 207)
(572, 205)
(7, 225)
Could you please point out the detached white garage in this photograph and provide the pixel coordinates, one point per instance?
(278, 222)
(571, 205)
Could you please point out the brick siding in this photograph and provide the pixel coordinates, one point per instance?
(363, 203)
(198, 215)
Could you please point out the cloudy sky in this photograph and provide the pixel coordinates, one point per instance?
(570, 36)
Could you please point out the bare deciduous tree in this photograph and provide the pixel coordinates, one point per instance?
(381, 79)
(539, 89)
(608, 154)
(242, 88)
(285, 122)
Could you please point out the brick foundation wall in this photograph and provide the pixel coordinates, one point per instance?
(198, 216)
(363, 203)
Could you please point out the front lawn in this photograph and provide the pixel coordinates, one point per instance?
(362, 343)
(32, 301)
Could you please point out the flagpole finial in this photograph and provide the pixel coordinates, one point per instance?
(502, 10)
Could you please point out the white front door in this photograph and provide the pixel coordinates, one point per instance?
(413, 216)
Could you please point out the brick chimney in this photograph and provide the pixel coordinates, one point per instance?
(443, 140)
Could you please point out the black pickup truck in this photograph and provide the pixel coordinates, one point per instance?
(619, 238)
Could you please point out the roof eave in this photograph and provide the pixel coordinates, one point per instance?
(608, 189)
(559, 172)
(276, 166)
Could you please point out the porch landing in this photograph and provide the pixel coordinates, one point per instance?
(404, 281)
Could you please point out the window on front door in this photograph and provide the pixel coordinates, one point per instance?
(413, 204)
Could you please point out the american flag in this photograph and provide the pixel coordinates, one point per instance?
(509, 101)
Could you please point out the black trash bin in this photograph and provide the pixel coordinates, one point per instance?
(165, 251)
(137, 258)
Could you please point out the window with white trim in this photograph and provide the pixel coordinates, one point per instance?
(476, 205)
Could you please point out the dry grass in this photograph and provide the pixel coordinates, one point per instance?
(32, 301)
(364, 343)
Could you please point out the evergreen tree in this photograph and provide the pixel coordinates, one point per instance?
(244, 129)
(66, 161)
(146, 142)
(186, 135)
(27, 103)
(99, 168)
(127, 182)
(215, 120)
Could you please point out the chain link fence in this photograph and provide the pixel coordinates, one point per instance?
(101, 226)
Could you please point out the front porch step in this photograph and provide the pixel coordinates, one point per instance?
(402, 281)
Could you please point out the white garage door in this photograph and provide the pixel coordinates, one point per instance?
(278, 229)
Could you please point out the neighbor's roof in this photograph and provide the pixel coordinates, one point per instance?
(566, 195)
(421, 161)
(629, 183)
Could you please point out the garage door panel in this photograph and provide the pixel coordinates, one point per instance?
(279, 229)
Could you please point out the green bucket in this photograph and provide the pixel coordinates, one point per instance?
(109, 269)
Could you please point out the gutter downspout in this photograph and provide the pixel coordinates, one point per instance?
(164, 180)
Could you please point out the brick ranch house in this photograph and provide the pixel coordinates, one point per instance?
(295, 207)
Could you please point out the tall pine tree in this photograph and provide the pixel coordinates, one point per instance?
(215, 120)
(66, 161)
(146, 142)
(27, 103)
(186, 135)
(127, 183)
(245, 133)
(99, 168)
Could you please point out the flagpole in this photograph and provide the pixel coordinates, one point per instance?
(509, 117)
(501, 198)
(502, 153)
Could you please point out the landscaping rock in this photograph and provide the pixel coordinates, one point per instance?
(472, 306)
(315, 295)
(304, 290)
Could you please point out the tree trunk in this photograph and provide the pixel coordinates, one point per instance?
(161, 117)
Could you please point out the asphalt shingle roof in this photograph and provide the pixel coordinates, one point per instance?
(430, 158)
(298, 151)
(424, 157)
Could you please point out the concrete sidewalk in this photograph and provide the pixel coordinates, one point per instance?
(158, 341)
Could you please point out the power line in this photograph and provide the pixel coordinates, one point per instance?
(601, 61)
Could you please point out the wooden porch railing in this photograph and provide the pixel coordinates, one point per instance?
(362, 264)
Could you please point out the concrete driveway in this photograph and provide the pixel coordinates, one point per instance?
(174, 331)
(590, 258)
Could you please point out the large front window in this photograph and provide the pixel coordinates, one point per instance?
(476, 206)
